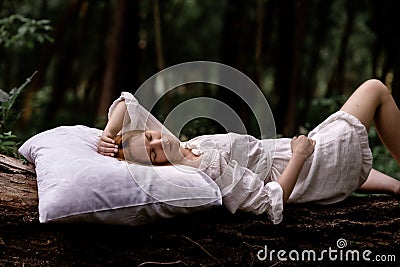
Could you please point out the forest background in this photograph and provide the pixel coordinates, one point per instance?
(306, 56)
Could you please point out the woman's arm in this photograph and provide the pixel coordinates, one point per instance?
(114, 125)
(302, 148)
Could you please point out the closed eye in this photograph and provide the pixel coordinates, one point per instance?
(152, 153)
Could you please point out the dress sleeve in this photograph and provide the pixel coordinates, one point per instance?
(138, 117)
(243, 189)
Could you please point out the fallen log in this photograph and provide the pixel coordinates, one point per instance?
(211, 238)
(18, 189)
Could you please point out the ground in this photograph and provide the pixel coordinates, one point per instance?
(336, 233)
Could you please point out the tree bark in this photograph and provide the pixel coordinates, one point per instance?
(258, 60)
(295, 89)
(284, 63)
(18, 192)
(158, 35)
(337, 82)
(210, 238)
(309, 79)
(238, 36)
(121, 73)
(17, 183)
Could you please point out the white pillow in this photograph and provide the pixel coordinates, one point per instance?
(75, 183)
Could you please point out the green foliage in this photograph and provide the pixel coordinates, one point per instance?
(383, 160)
(8, 141)
(17, 30)
(8, 144)
(320, 109)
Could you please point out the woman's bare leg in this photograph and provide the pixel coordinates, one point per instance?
(378, 182)
(372, 102)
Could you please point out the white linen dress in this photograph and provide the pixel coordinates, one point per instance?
(247, 169)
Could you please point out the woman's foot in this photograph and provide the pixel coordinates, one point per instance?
(397, 190)
(378, 182)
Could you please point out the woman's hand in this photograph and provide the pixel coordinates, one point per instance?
(302, 146)
(107, 146)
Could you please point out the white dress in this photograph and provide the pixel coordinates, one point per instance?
(239, 164)
(340, 164)
(246, 169)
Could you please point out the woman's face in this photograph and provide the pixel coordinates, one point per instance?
(155, 148)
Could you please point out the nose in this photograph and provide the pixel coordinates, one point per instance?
(159, 141)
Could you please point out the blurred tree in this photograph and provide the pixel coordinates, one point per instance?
(317, 35)
(385, 23)
(121, 73)
(158, 35)
(337, 80)
(62, 64)
(289, 47)
(237, 46)
(68, 48)
(258, 57)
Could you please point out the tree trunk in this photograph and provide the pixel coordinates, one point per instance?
(386, 26)
(44, 62)
(209, 238)
(284, 63)
(158, 35)
(237, 37)
(258, 59)
(18, 189)
(166, 104)
(337, 81)
(309, 84)
(295, 90)
(121, 73)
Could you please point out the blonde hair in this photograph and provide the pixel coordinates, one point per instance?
(123, 142)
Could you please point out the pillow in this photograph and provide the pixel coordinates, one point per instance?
(77, 184)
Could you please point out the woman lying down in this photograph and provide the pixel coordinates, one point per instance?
(260, 176)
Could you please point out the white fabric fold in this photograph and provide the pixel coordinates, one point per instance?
(139, 118)
(239, 165)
